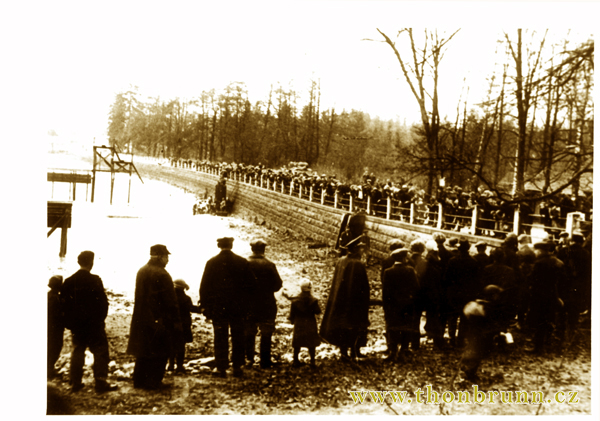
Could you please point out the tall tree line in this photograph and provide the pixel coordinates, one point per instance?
(533, 130)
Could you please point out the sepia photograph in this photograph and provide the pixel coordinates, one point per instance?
(303, 207)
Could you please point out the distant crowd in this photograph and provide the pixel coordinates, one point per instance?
(495, 217)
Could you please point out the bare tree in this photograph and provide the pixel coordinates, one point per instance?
(425, 65)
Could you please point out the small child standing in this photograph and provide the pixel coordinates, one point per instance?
(302, 315)
(181, 338)
(56, 323)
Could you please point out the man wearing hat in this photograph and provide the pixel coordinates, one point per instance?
(388, 262)
(481, 257)
(85, 309)
(544, 280)
(225, 290)
(576, 288)
(346, 316)
(268, 282)
(462, 281)
(399, 293)
(155, 321)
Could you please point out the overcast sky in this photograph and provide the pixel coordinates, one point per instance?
(76, 56)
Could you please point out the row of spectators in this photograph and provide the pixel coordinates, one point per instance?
(495, 216)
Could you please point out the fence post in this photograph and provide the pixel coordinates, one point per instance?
(300, 191)
(440, 216)
(268, 184)
(245, 179)
(335, 200)
(322, 196)
(262, 176)
(474, 220)
(412, 213)
(291, 187)
(517, 221)
(388, 211)
(310, 194)
(282, 185)
(350, 206)
(369, 205)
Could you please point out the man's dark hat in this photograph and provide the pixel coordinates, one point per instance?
(464, 244)
(511, 238)
(480, 244)
(159, 250)
(395, 244)
(181, 284)
(400, 253)
(224, 241)
(257, 243)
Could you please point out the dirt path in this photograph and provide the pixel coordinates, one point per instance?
(286, 390)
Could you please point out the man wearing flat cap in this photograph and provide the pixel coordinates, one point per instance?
(481, 256)
(85, 309)
(155, 321)
(225, 288)
(264, 311)
(346, 316)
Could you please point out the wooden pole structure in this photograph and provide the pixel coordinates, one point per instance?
(112, 175)
(94, 175)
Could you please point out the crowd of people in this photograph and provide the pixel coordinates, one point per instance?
(495, 216)
(471, 299)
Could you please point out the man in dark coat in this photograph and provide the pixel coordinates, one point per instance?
(502, 276)
(387, 263)
(575, 289)
(400, 288)
(462, 280)
(220, 192)
(264, 311)
(56, 323)
(481, 257)
(482, 316)
(85, 309)
(346, 316)
(225, 288)
(433, 296)
(154, 322)
(547, 273)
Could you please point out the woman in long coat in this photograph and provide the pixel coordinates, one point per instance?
(346, 316)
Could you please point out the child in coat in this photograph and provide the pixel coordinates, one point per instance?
(302, 316)
(56, 323)
(181, 338)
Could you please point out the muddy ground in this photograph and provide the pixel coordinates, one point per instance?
(286, 390)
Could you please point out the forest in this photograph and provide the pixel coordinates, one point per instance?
(531, 134)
